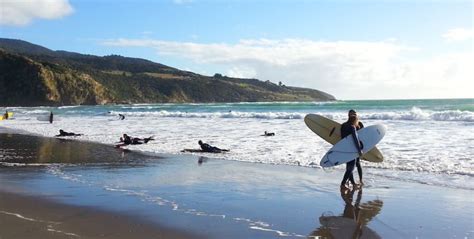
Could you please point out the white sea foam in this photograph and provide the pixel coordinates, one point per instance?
(415, 114)
(417, 140)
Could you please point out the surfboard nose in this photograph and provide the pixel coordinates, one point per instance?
(381, 130)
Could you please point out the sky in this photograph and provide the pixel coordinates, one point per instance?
(352, 49)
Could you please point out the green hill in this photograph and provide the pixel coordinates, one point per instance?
(33, 75)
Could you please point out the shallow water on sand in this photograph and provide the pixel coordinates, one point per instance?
(222, 198)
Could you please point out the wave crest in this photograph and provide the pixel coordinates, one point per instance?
(415, 114)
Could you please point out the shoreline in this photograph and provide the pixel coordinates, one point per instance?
(380, 170)
(213, 198)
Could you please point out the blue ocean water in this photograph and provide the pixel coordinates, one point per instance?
(448, 107)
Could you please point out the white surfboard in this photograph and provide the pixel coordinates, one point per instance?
(330, 131)
(345, 150)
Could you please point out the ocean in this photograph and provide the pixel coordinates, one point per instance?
(427, 141)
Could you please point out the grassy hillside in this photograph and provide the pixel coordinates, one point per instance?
(34, 75)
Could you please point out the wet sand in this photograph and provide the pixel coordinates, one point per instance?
(84, 190)
(37, 217)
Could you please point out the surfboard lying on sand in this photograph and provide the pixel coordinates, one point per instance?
(330, 131)
(345, 150)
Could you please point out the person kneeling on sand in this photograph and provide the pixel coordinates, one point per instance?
(210, 149)
(63, 133)
(268, 134)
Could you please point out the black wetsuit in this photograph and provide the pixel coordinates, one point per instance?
(210, 149)
(127, 140)
(346, 130)
(64, 133)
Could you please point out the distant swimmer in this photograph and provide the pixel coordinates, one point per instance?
(5, 116)
(51, 117)
(63, 133)
(127, 140)
(268, 134)
(210, 149)
(121, 116)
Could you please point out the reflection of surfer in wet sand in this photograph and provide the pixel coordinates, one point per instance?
(354, 220)
(127, 140)
(201, 160)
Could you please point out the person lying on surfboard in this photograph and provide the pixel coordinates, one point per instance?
(350, 128)
(63, 133)
(268, 134)
(127, 140)
(210, 149)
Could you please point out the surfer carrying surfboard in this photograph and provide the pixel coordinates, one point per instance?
(359, 126)
(350, 128)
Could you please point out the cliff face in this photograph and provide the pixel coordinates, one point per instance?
(33, 75)
(26, 82)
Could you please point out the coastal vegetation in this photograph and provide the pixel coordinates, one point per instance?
(33, 75)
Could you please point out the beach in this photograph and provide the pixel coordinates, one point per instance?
(70, 189)
(39, 217)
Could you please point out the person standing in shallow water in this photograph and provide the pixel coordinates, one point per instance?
(51, 117)
(359, 126)
(350, 128)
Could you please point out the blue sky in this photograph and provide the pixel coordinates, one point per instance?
(351, 49)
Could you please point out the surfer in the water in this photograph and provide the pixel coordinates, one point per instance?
(350, 128)
(51, 117)
(127, 140)
(63, 133)
(210, 149)
(268, 134)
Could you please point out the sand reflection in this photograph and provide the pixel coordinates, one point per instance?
(353, 221)
(23, 149)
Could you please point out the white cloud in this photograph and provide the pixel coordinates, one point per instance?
(346, 69)
(459, 34)
(22, 12)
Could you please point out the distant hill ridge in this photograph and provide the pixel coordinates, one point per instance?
(32, 75)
